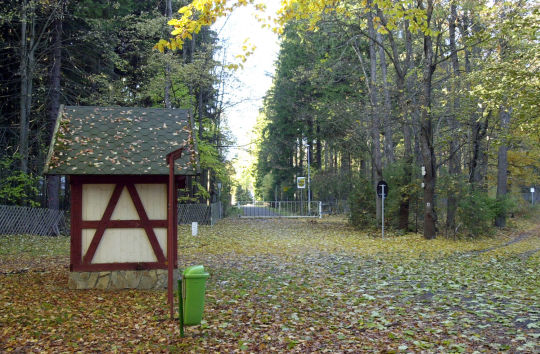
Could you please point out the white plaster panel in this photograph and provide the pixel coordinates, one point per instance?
(95, 198)
(124, 245)
(161, 235)
(87, 236)
(125, 209)
(154, 200)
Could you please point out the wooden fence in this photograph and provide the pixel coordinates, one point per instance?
(33, 221)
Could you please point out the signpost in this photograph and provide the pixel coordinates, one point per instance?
(308, 183)
(382, 192)
(532, 195)
(301, 182)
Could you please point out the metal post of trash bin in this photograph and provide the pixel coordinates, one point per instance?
(172, 228)
(181, 306)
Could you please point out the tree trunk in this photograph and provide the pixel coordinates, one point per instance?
(454, 168)
(502, 166)
(502, 154)
(478, 160)
(53, 182)
(404, 204)
(387, 111)
(318, 147)
(426, 135)
(26, 91)
(401, 69)
(167, 88)
(375, 121)
(200, 109)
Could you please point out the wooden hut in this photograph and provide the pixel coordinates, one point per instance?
(117, 160)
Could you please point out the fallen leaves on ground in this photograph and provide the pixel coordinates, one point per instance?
(290, 285)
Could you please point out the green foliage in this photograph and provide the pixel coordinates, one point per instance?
(17, 187)
(330, 185)
(314, 99)
(209, 157)
(266, 188)
(242, 194)
(200, 191)
(476, 211)
(362, 204)
(400, 190)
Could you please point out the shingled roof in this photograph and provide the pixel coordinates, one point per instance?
(120, 141)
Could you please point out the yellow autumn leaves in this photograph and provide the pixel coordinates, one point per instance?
(201, 13)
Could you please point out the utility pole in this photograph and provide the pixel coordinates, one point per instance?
(308, 182)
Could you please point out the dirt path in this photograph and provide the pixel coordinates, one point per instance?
(519, 238)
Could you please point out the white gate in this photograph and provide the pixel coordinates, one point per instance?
(280, 209)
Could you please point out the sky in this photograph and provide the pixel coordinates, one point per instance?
(256, 77)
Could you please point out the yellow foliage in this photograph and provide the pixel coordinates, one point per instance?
(201, 13)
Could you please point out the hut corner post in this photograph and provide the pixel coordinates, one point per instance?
(172, 228)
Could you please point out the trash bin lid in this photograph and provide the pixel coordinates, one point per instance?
(196, 271)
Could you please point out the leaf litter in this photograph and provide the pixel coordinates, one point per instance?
(289, 285)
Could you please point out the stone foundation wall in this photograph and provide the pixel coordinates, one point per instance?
(121, 279)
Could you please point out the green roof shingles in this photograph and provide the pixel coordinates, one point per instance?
(120, 141)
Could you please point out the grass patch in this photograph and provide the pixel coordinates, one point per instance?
(28, 246)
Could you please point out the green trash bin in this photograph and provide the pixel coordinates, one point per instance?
(193, 289)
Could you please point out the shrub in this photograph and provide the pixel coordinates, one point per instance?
(476, 211)
(17, 187)
(400, 188)
(362, 204)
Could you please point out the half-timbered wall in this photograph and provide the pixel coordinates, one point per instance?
(120, 222)
(124, 244)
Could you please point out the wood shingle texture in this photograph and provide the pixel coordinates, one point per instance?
(120, 141)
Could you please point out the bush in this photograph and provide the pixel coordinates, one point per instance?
(362, 204)
(242, 194)
(331, 186)
(17, 187)
(475, 213)
(400, 188)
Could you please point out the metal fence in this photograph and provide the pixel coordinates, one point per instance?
(202, 213)
(279, 209)
(335, 207)
(33, 221)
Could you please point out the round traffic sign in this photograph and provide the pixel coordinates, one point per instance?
(382, 189)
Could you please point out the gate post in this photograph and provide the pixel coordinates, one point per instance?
(320, 210)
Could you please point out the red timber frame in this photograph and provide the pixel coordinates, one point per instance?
(83, 263)
(172, 228)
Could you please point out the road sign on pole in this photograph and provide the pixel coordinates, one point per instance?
(301, 182)
(308, 182)
(382, 189)
(382, 192)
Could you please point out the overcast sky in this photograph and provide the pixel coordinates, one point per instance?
(256, 77)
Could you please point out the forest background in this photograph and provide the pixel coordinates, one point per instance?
(100, 53)
(438, 98)
(370, 90)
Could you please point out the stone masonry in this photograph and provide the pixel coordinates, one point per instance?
(121, 279)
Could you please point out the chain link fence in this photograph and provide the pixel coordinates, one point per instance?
(204, 214)
(16, 220)
(33, 221)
